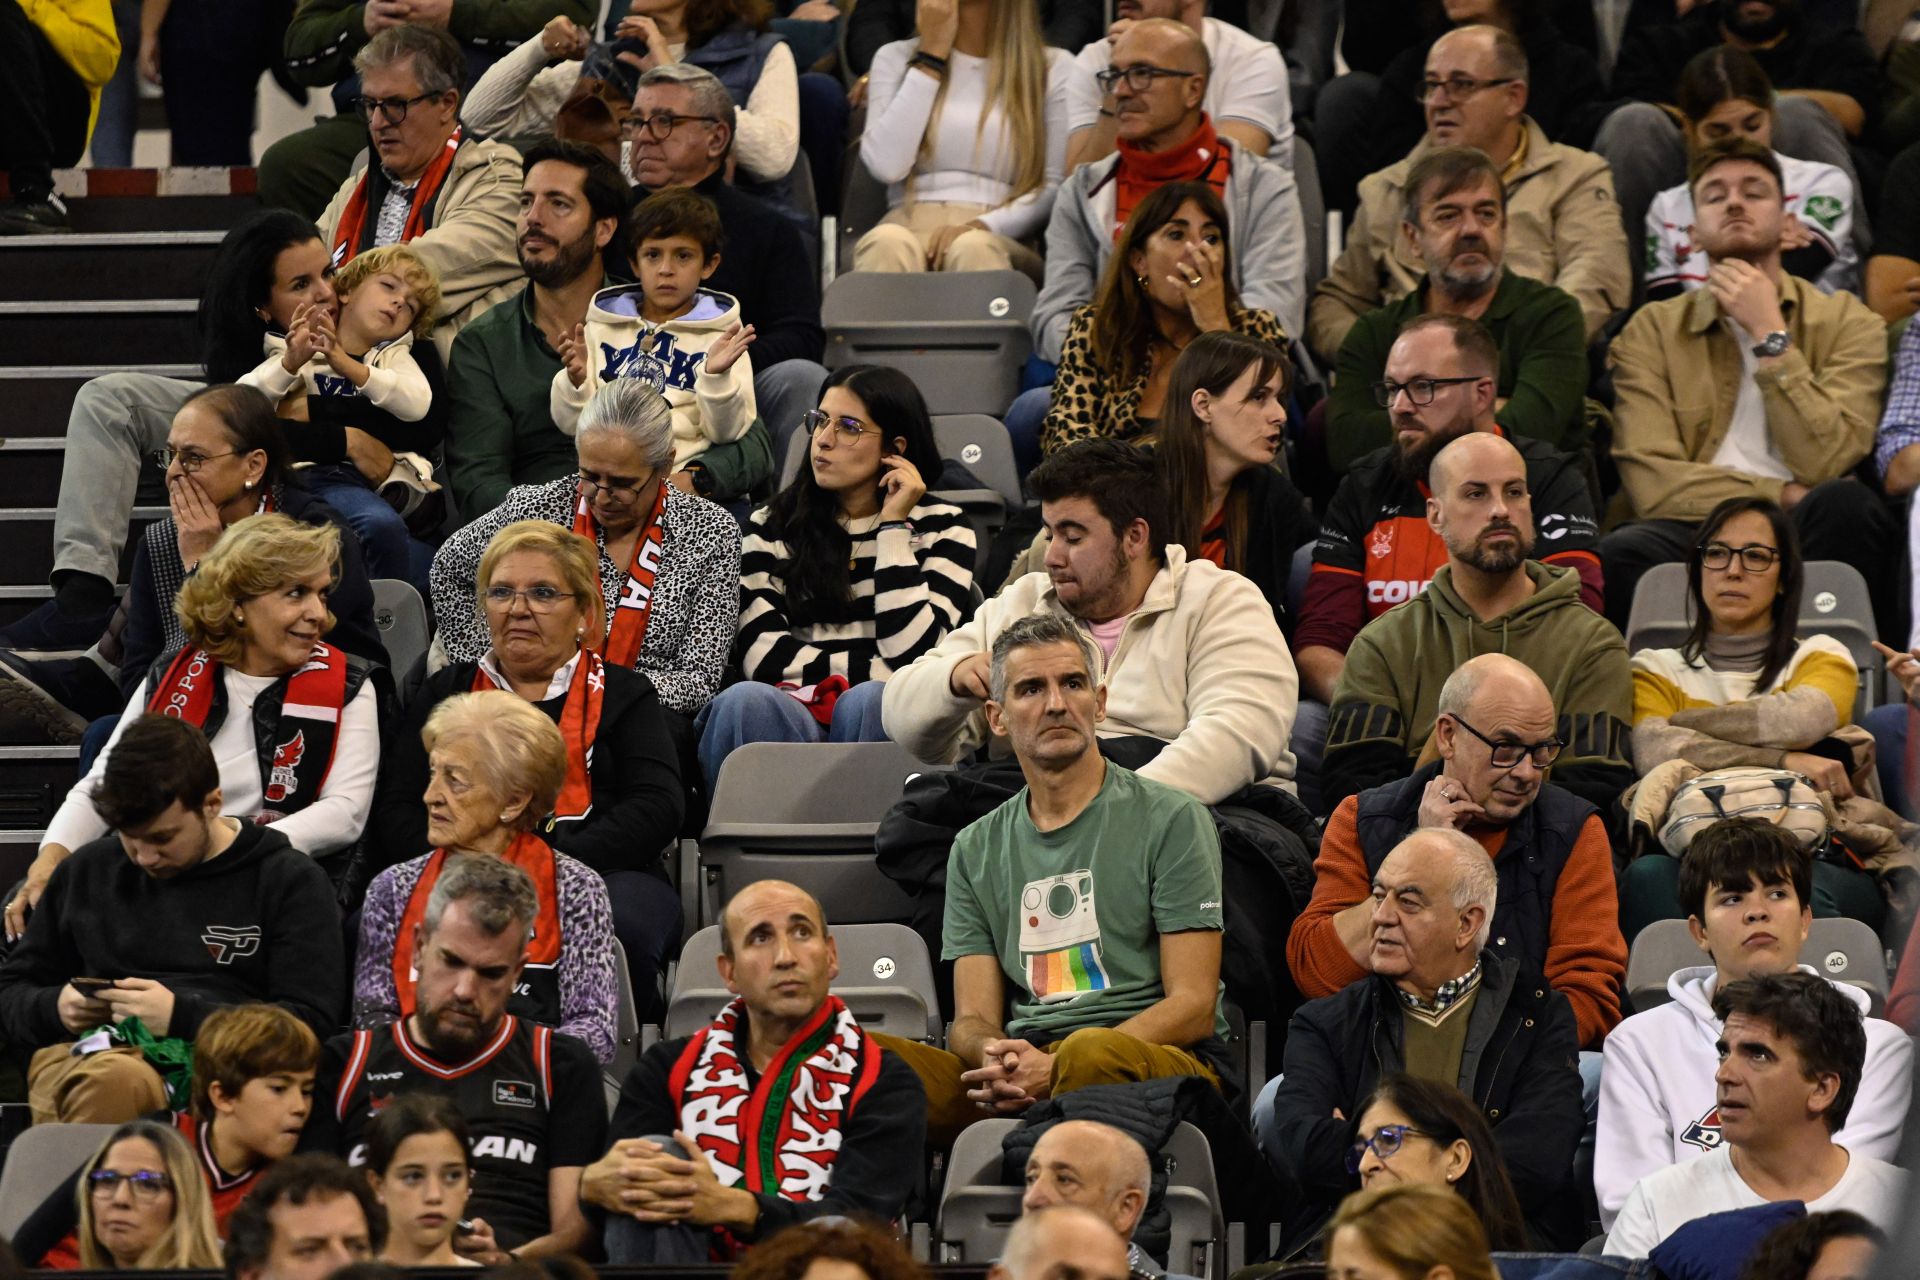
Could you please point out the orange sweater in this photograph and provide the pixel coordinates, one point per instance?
(1586, 956)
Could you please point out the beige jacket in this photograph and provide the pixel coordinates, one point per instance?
(472, 245)
(1676, 374)
(1201, 665)
(1563, 229)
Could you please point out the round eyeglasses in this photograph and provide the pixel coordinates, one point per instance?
(1385, 1142)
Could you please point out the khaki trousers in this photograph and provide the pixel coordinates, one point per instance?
(899, 243)
(112, 1086)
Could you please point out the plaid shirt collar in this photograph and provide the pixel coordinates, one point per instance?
(1449, 993)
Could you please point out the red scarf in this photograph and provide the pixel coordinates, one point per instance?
(628, 626)
(348, 235)
(315, 696)
(778, 1136)
(579, 725)
(529, 853)
(1200, 159)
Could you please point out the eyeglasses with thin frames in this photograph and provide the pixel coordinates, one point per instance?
(1457, 88)
(392, 110)
(1420, 390)
(620, 495)
(539, 599)
(1139, 78)
(1386, 1143)
(1508, 755)
(1754, 557)
(190, 460)
(660, 124)
(145, 1185)
(848, 430)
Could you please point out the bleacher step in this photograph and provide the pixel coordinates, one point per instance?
(27, 532)
(128, 265)
(149, 331)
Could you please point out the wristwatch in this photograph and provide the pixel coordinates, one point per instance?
(1774, 344)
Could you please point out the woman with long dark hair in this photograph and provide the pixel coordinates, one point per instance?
(1413, 1130)
(847, 575)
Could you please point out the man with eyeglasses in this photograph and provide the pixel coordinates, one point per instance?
(1561, 226)
(1440, 993)
(1757, 384)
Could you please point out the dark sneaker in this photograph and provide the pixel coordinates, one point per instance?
(49, 633)
(44, 216)
(60, 695)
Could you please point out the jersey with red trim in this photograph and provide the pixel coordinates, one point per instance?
(533, 1102)
(227, 1189)
(1376, 549)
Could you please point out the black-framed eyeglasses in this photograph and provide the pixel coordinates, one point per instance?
(620, 495)
(1139, 78)
(144, 1185)
(1386, 1142)
(660, 124)
(850, 430)
(190, 460)
(1754, 558)
(1507, 755)
(540, 599)
(1420, 390)
(392, 110)
(1455, 87)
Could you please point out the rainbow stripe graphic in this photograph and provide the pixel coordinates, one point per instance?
(1062, 975)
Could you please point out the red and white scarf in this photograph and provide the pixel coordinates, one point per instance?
(579, 726)
(627, 628)
(354, 231)
(810, 1089)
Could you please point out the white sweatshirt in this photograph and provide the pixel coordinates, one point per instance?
(1657, 1097)
(394, 380)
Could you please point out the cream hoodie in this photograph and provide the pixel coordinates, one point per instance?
(1201, 665)
(394, 380)
(708, 408)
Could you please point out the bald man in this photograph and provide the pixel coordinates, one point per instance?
(1065, 1242)
(713, 1151)
(1489, 597)
(1094, 1166)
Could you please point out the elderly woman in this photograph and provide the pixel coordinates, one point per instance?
(292, 719)
(669, 564)
(143, 1205)
(495, 766)
(621, 803)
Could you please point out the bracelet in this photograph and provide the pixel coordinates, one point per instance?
(931, 62)
(885, 525)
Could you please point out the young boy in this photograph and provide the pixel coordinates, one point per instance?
(1748, 885)
(253, 1068)
(685, 340)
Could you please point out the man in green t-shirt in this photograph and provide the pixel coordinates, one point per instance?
(1083, 915)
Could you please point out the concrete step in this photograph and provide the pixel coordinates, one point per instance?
(33, 782)
(156, 331)
(38, 397)
(144, 264)
(27, 533)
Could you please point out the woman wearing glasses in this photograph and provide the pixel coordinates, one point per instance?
(1745, 689)
(143, 1205)
(848, 575)
(967, 126)
(1426, 1131)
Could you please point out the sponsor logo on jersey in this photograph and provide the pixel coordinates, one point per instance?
(1825, 210)
(227, 943)
(513, 1093)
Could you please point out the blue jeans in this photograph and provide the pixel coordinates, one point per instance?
(1023, 420)
(391, 551)
(1888, 725)
(113, 130)
(755, 712)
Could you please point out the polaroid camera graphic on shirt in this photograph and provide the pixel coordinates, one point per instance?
(1060, 937)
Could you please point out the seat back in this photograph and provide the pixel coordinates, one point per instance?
(1661, 948)
(886, 979)
(1313, 209)
(980, 443)
(37, 1163)
(976, 1208)
(401, 616)
(1841, 949)
(626, 1019)
(1199, 1223)
(960, 335)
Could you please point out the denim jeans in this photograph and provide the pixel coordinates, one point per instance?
(1888, 725)
(391, 551)
(755, 712)
(1023, 421)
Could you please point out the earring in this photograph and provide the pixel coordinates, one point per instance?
(1141, 281)
(239, 616)
(506, 818)
(247, 485)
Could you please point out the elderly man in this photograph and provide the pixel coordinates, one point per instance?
(533, 1100)
(1567, 229)
(1439, 1005)
(785, 1059)
(1065, 1242)
(1456, 221)
(1488, 598)
(1558, 912)
(306, 1218)
(1097, 1167)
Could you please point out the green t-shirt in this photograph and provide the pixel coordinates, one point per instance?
(1075, 915)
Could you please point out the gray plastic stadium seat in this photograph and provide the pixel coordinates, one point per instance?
(1313, 209)
(1199, 1234)
(886, 978)
(37, 1163)
(401, 617)
(626, 1026)
(806, 812)
(960, 335)
(1844, 950)
(1833, 602)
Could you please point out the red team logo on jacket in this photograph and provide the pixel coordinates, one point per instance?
(286, 758)
(1704, 1133)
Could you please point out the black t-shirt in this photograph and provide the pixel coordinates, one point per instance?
(533, 1102)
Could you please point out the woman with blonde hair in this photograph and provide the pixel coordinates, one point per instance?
(538, 592)
(1407, 1231)
(967, 124)
(143, 1205)
(496, 765)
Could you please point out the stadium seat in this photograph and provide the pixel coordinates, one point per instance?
(960, 335)
(806, 812)
(626, 1026)
(401, 616)
(1843, 950)
(863, 202)
(886, 978)
(1313, 209)
(37, 1163)
(1833, 602)
(1193, 1202)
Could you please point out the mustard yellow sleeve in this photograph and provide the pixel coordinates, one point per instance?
(1830, 673)
(1654, 696)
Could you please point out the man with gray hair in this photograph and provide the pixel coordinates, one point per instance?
(533, 1100)
(1439, 1005)
(1083, 916)
(1065, 1242)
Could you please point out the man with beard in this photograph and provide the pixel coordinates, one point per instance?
(1826, 78)
(573, 208)
(1376, 549)
(1561, 198)
(1455, 222)
(1489, 597)
(1757, 385)
(533, 1100)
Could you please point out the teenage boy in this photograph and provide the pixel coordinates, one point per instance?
(1748, 886)
(688, 342)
